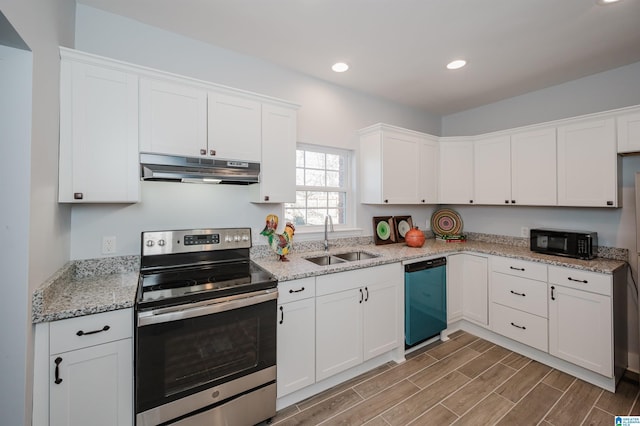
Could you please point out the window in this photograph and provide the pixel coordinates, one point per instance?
(322, 186)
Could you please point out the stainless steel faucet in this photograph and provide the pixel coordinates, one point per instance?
(327, 221)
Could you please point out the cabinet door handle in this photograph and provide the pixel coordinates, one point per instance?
(516, 269)
(83, 333)
(578, 281)
(58, 380)
(361, 296)
(366, 299)
(513, 201)
(78, 195)
(517, 294)
(212, 152)
(281, 314)
(552, 296)
(203, 152)
(521, 327)
(471, 201)
(506, 201)
(423, 201)
(296, 291)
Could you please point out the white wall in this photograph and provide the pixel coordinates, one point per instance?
(612, 89)
(15, 122)
(330, 115)
(37, 227)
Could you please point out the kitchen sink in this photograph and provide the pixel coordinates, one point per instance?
(355, 255)
(325, 260)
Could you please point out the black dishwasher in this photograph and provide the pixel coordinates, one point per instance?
(425, 296)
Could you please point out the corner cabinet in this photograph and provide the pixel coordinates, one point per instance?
(588, 169)
(98, 160)
(278, 155)
(397, 166)
(90, 374)
(456, 171)
(467, 288)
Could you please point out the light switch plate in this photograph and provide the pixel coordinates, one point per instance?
(524, 232)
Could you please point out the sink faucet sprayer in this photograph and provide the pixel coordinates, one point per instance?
(327, 221)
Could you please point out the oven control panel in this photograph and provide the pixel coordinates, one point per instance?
(192, 240)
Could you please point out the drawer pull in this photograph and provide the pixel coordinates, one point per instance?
(517, 294)
(296, 291)
(578, 281)
(82, 333)
(58, 380)
(552, 296)
(281, 314)
(516, 269)
(521, 327)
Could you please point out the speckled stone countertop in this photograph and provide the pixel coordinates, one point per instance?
(92, 286)
(298, 267)
(87, 287)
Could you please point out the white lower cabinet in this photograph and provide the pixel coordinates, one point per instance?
(357, 317)
(296, 335)
(467, 288)
(581, 319)
(91, 370)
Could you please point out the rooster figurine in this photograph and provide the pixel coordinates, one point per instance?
(280, 243)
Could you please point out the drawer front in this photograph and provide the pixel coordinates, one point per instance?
(89, 330)
(519, 268)
(519, 293)
(521, 326)
(581, 280)
(290, 291)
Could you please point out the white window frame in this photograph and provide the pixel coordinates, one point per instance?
(347, 188)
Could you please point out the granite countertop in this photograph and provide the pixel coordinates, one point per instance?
(92, 286)
(298, 267)
(87, 287)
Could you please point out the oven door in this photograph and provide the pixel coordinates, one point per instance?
(195, 356)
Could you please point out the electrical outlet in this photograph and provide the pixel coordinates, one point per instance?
(108, 245)
(524, 232)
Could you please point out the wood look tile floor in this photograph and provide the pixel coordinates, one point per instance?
(464, 381)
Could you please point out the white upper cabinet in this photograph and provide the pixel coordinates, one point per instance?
(629, 132)
(234, 131)
(428, 168)
(173, 118)
(278, 158)
(492, 170)
(397, 166)
(98, 132)
(456, 171)
(588, 164)
(533, 168)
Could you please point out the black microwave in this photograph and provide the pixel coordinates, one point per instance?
(577, 244)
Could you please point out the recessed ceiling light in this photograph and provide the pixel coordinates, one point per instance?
(340, 67)
(458, 63)
(605, 2)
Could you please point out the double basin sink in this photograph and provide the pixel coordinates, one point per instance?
(333, 259)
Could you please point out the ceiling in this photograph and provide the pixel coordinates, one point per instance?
(398, 49)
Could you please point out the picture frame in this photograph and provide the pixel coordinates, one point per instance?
(383, 230)
(402, 224)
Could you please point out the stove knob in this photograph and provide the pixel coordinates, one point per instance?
(161, 243)
(228, 239)
(245, 237)
(150, 243)
(236, 238)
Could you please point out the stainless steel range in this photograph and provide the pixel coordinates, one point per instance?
(206, 330)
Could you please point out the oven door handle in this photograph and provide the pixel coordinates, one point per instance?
(207, 307)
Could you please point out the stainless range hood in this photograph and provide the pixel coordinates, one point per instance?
(169, 168)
